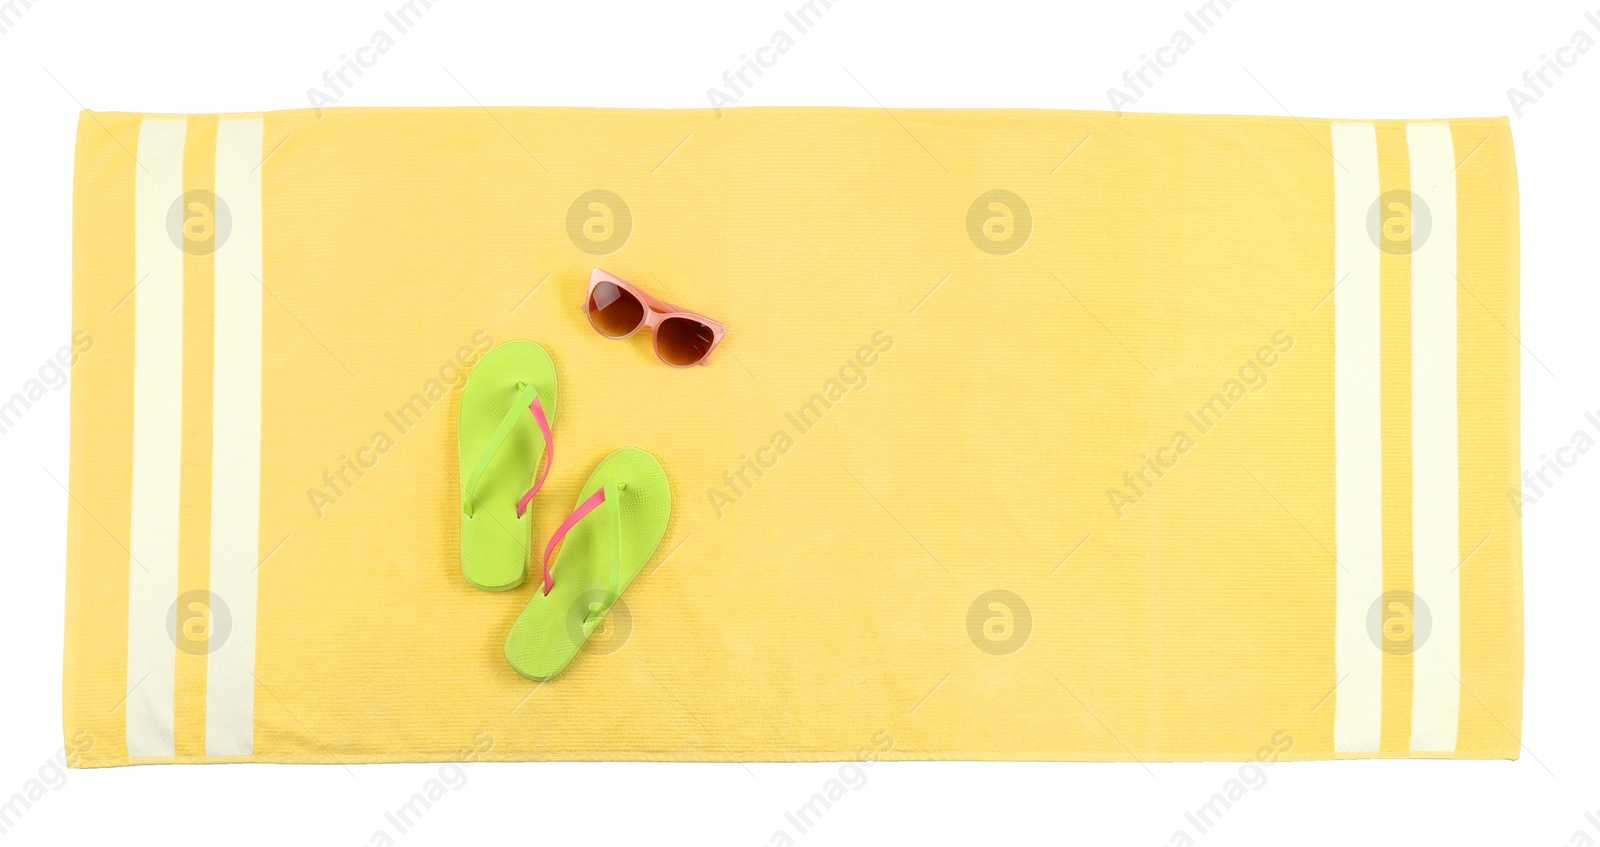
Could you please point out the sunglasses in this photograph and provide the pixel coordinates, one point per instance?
(618, 309)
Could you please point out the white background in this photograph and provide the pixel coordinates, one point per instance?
(1355, 58)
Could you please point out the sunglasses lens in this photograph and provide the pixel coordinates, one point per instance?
(682, 341)
(614, 311)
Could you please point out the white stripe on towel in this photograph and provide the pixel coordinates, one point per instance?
(157, 439)
(1358, 455)
(1435, 484)
(236, 441)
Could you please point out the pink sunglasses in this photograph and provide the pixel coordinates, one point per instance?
(618, 309)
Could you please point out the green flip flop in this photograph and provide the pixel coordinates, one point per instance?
(502, 433)
(620, 519)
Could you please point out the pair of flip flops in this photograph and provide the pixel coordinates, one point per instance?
(504, 435)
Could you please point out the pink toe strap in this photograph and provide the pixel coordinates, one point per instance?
(549, 455)
(584, 508)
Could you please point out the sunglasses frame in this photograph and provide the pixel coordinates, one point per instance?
(655, 313)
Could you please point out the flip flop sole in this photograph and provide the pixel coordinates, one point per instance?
(549, 632)
(494, 541)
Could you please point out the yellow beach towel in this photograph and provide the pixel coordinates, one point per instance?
(1035, 434)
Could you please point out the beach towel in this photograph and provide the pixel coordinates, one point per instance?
(1035, 435)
